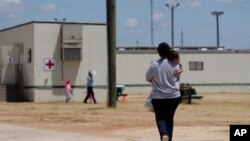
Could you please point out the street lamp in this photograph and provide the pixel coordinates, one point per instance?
(172, 7)
(152, 23)
(217, 14)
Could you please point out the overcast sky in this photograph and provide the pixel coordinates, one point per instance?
(193, 17)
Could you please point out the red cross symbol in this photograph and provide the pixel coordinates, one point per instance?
(50, 64)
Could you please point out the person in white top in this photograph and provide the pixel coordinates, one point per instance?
(90, 87)
(165, 90)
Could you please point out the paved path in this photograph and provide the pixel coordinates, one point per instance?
(16, 133)
(200, 133)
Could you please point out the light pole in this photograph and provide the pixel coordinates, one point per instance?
(152, 23)
(172, 7)
(217, 14)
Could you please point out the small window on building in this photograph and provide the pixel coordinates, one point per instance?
(196, 66)
(29, 55)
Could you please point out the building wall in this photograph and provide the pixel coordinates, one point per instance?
(47, 45)
(46, 95)
(223, 72)
(22, 36)
(44, 40)
(131, 68)
(94, 55)
(219, 68)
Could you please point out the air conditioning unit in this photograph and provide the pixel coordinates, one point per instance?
(71, 42)
(71, 52)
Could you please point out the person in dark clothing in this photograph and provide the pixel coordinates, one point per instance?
(165, 91)
(90, 87)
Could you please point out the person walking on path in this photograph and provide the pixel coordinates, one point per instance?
(165, 91)
(90, 87)
(68, 91)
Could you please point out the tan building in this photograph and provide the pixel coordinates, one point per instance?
(208, 69)
(46, 53)
(39, 56)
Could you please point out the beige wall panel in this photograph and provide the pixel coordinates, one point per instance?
(94, 53)
(23, 35)
(240, 68)
(131, 68)
(219, 68)
(43, 95)
(210, 72)
(44, 41)
(47, 45)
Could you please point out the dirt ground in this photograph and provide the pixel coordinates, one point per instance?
(210, 116)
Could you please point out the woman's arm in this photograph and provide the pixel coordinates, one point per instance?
(178, 71)
(149, 76)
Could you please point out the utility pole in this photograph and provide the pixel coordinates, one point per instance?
(152, 23)
(172, 20)
(217, 14)
(111, 33)
(182, 38)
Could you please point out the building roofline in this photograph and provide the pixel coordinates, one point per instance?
(183, 50)
(50, 22)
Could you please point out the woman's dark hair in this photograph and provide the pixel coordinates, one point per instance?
(163, 49)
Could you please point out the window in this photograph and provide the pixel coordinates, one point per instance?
(196, 66)
(29, 55)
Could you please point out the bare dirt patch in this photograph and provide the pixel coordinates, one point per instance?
(215, 110)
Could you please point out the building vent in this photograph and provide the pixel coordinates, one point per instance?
(71, 54)
(71, 42)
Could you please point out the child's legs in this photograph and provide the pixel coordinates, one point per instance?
(68, 94)
(92, 93)
(88, 95)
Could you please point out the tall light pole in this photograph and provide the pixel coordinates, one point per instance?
(152, 23)
(182, 40)
(172, 7)
(217, 14)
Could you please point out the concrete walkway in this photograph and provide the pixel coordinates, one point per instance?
(16, 133)
(200, 133)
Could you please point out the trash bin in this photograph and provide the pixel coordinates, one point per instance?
(185, 90)
(184, 86)
(119, 90)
